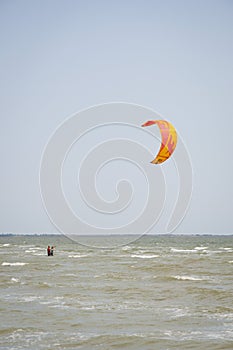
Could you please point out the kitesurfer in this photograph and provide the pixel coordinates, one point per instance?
(48, 250)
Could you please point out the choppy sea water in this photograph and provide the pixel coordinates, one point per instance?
(159, 292)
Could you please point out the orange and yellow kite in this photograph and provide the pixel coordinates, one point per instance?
(168, 142)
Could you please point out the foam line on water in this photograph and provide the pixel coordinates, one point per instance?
(14, 264)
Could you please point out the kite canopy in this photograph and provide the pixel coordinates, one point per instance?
(168, 142)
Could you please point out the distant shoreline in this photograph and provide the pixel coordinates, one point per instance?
(116, 234)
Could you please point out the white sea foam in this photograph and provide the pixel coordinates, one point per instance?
(194, 335)
(177, 312)
(77, 255)
(223, 316)
(189, 278)
(144, 256)
(52, 301)
(30, 298)
(14, 264)
(60, 306)
(201, 248)
(35, 252)
(36, 248)
(126, 247)
(175, 250)
(15, 280)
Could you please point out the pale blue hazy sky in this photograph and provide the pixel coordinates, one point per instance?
(58, 57)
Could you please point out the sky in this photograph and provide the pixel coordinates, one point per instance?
(60, 57)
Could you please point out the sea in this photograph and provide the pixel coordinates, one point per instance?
(153, 292)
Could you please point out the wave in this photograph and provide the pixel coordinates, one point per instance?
(175, 250)
(77, 256)
(30, 298)
(189, 278)
(36, 248)
(126, 248)
(144, 256)
(15, 280)
(201, 248)
(35, 252)
(14, 264)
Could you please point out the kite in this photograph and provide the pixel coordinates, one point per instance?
(168, 142)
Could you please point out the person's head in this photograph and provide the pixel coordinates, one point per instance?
(52, 247)
(48, 246)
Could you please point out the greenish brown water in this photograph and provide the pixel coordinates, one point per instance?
(159, 292)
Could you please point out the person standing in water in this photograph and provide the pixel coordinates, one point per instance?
(48, 250)
(51, 251)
